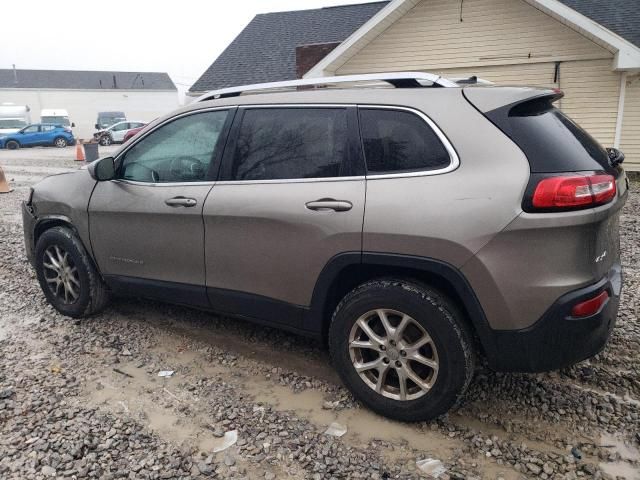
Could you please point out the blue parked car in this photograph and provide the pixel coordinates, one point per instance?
(38, 134)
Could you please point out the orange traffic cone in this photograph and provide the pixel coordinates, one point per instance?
(4, 185)
(79, 152)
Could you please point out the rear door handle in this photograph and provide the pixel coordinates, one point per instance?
(181, 202)
(329, 204)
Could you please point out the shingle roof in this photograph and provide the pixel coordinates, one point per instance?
(619, 16)
(78, 79)
(265, 51)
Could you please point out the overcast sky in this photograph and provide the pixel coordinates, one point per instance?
(179, 37)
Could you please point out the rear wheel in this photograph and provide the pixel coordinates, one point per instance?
(66, 274)
(402, 349)
(60, 142)
(12, 145)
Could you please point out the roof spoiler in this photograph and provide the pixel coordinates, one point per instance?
(487, 99)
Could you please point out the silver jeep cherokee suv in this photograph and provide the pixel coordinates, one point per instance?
(415, 228)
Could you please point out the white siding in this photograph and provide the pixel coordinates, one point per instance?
(83, 105)
(630, 139)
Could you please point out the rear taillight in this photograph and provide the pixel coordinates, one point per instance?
(573, 191)
(591, 306)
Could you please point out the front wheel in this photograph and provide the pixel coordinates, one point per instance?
(12, 145)
(106, 140)
(60, 142)
(402, 349)
(67, 275)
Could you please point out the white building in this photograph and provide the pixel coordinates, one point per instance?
(140, 95)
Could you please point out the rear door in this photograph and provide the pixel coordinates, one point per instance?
(48, 134)
(146, 226)
(290, 197)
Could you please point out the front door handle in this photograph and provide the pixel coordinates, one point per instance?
(181, 202)
(329, 204)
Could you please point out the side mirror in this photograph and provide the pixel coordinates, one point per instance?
(73, 125)
(97, 126)
(103, 169)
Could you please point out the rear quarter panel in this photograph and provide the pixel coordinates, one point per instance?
(449, 216)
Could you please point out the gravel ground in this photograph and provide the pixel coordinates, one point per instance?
(82, 399)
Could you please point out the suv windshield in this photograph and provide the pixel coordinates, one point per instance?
(12, 123)
(107, 121)
(57, 120)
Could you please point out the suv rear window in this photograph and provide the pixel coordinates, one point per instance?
(550, 139)
(290, 143)
(397, 141)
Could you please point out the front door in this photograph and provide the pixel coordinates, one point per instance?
(291, 196)
(146, 226)
(30, 135)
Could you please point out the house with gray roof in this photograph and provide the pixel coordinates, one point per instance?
(590, 49)
(140, 95)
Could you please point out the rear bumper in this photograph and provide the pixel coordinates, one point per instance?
(557, 340)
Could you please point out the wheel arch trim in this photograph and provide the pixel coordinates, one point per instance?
(317, 319)
(48, 221)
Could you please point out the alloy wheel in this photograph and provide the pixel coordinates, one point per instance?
(393, 354)
(61, 274)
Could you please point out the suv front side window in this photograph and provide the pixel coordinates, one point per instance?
(291, 143)
(398, 141)
(179, 151)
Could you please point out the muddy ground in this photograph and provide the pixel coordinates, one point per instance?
(82, 399)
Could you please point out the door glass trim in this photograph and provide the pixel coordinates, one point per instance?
(229, 154)
(454, 160)
(216, 154)
(232, 134)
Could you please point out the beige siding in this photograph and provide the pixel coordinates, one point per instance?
(630, 139)
(591, 89)
(492, 32)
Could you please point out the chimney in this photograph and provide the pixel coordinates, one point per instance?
(308, 55)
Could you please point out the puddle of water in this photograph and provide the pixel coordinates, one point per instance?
(362, 425)
(132, 397)
(621, 470)
(628, 453)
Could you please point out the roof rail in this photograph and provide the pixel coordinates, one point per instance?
(397, 79)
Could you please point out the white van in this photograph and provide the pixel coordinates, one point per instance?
(13, 118)
(58, 116)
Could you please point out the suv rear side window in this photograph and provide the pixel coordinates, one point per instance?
(397, 141)
(290, 143)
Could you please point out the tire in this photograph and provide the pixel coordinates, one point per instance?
(12, 145)
(60, 142)
(448, 347)
(106, 140)
(91, 294)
